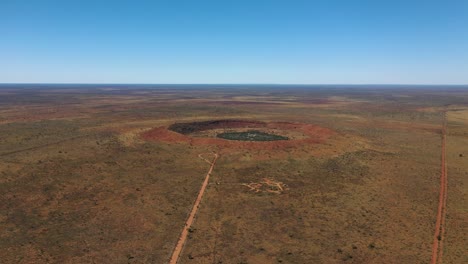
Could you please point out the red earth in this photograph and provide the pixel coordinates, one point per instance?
(314, 134)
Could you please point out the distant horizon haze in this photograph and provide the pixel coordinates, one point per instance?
(236, 84)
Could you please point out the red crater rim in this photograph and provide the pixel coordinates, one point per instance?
(205, 133)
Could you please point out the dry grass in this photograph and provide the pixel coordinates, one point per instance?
(78, 183)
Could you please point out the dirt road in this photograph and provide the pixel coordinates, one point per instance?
(437, 246)
(188, 223)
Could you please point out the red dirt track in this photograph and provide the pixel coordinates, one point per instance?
(437, 246)
(314, 134)
(183, 236)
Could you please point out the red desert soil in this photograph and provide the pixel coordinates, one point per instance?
(314, 134)
(188, 223)
(437, 246)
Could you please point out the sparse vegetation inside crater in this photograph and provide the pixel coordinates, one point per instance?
(188, 128)
(251, 135)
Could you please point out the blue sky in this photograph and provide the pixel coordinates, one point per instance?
(241, 41)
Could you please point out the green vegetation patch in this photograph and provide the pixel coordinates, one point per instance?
(188, 128)
(251, 135)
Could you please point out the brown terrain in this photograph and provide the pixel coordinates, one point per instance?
(116, 174)
(437, 247)
(188, 224)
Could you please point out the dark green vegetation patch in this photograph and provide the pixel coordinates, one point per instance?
(192, 127)
(251, 135)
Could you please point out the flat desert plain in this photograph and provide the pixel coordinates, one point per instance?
(233, 174)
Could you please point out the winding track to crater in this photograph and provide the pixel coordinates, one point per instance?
(437, 246)
(183, 236)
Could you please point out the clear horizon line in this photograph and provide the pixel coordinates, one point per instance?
(297, 84)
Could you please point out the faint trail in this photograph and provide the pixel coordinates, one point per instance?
(437, 246)
(201, 157)
(183, 236)
(41, 146)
